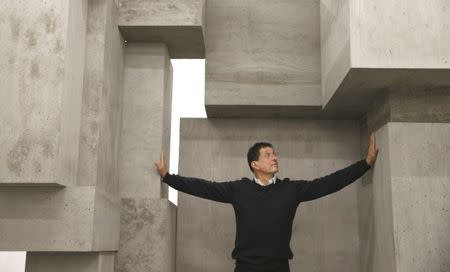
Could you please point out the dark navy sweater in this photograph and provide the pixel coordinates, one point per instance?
(264, 214)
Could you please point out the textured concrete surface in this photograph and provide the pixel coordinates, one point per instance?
(146, 119)
(420, 171)
(325, 229)
(262, 53)
(375, 200)
(373, 45)
(147, 236)
(334, 44)
(178, 24)
(403, 207)
(41, 83)
(69, 262)
(403, 105)
(102, 100)
(49, 219)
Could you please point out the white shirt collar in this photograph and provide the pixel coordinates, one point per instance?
(273, 180)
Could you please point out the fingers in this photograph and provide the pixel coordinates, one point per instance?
(161, 158)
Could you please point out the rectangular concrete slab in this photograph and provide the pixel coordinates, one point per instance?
(371, 46)
(41, 84)
(179, 24)
(51, 219)
(262, 53)
(215, 149)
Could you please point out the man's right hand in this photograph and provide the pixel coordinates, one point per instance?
(161, 166)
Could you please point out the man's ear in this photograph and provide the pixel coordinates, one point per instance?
(254, 164)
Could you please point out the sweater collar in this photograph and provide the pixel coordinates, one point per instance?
(273, 180)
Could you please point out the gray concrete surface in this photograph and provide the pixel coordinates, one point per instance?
(373, 45)
(403, 207)
(101, 116)
(146, 119)
(41, 84)
(215, 149)
(52, 219)
(69, 262)
(147, 236)
(403, 105)
(262, 53)
(420, 177)
(178, 24)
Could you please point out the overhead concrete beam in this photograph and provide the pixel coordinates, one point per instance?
(370, 46)
(178, 24)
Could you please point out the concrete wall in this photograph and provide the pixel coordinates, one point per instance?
(43, 50)
(325, 229)
(262, 53)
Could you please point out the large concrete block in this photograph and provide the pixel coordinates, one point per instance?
(147, 236)
(101, 115)
(146, 119)
(52, 219)
(405, 105)
(368, 46)
(178, 24)
(215, 149)
(262, 53)
(70, 262)
(419, 156)
(404, 205)
(43, 48)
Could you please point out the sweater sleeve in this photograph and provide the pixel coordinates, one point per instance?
(319, 187)
(216, 191)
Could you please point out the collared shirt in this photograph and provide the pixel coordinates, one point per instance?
(273, 180)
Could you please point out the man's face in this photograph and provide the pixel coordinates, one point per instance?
(267, 161)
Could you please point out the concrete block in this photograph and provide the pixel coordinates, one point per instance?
(101, 115)
(178, 24)
(145, 120)
(308, 149)
(51, 219)
(147, 236)
(404, 225)
(70, 262)
(41, 85)
(420, 153)
(265, 54)
(369, 46)
(405, 105)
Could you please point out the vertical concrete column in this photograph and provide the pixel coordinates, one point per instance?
(148, 219)
(403, 207)
(146, 119)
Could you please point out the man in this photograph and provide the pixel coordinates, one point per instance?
(265, 206)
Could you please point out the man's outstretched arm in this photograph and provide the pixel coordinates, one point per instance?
(309, 190)
(217, 191)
